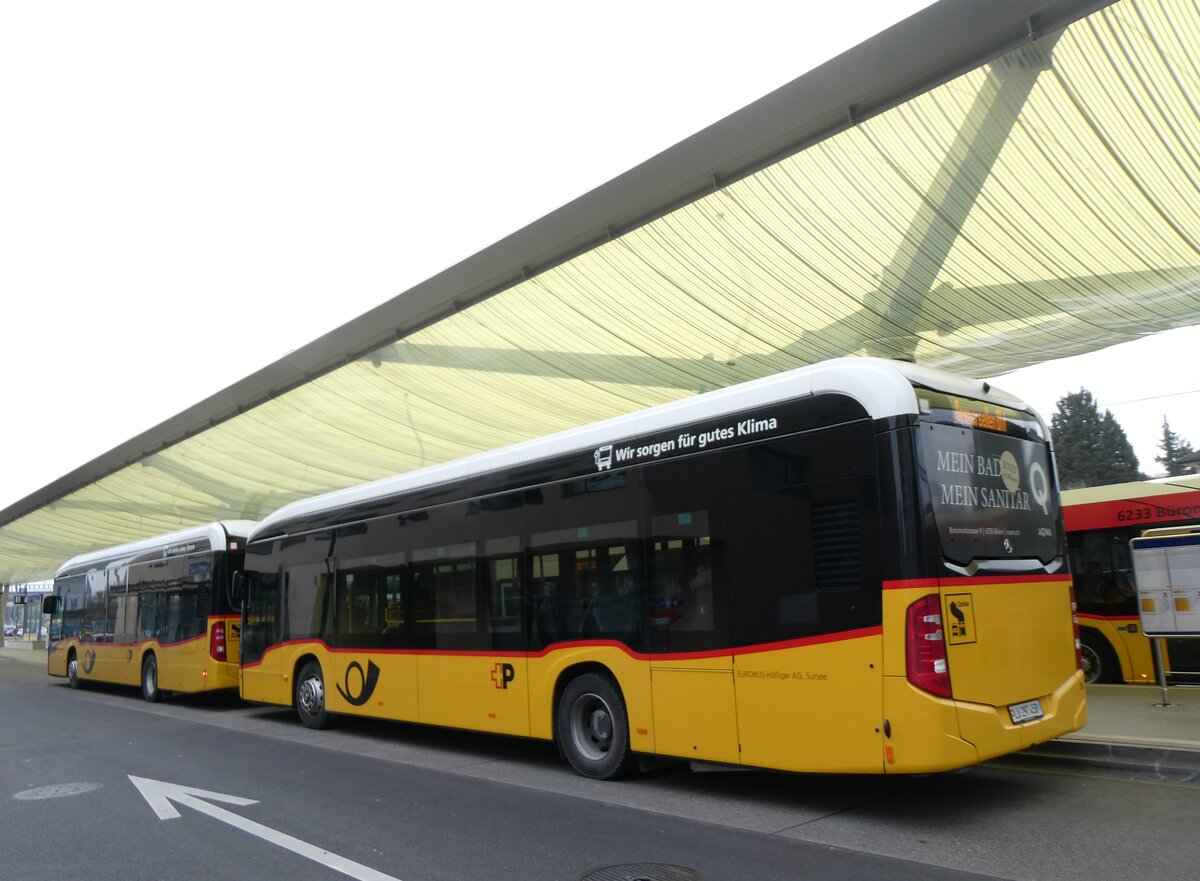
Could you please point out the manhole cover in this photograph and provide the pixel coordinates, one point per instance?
(57, 790)
(643, 872)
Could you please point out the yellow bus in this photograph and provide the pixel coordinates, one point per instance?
(1100, 523)
(157, 613)
(851, 567)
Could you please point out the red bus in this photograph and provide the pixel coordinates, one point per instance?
(1100, 522)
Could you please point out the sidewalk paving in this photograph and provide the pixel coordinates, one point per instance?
(18, 649)
(1130, 728)
(1128, 725)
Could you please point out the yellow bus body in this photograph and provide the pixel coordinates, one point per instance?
(185, 667)
(1128, 644)
(803, 705)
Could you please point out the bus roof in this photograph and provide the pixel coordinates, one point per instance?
(1131, 490)
(216, 533)
(1138, 503)
(883, 387)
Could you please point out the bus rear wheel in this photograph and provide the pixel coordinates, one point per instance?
(310, 696)
(592, 727)
(1099, 665)
(150, 690)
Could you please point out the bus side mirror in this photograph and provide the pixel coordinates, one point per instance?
(50, 605)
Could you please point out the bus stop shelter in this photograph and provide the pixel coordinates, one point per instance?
(979, 188)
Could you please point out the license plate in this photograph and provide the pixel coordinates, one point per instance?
(1025, 712)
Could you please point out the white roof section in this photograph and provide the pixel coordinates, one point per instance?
(884, 389)
(981, 187)
(216, 534)
(1136, 489)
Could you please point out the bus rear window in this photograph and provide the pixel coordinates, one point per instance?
(990, 493)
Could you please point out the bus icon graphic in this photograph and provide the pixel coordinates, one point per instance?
(603, 457)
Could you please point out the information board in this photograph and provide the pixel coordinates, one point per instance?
(1167, 569)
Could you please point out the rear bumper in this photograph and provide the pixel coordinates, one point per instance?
(925, 734)
(993, 733)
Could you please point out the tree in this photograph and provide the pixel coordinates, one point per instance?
(1174, 447)
(1092, 449)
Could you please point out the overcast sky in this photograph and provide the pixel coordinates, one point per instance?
(191, 191)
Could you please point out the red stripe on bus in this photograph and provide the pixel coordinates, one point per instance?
(138, 644)
(840, 636)
(910, 583)
(934, 583)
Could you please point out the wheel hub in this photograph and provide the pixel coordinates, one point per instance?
(312, 696)
(600, 725)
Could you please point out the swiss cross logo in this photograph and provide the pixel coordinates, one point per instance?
(503, 673)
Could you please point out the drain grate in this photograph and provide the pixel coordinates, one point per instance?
(643, 872)
(57, 790)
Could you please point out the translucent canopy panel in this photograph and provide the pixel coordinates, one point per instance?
(1042, 205)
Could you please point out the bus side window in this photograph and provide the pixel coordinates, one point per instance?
(307, 586)
(506, 603)
(682, 588)
(509, 610)
(371, 576)
(687, 606)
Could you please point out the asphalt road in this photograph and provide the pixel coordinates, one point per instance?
(386, 801)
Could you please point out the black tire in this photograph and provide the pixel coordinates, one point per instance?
(592, 727)
(72, 669)
(151, 693)
(309, 696)
(1099, 665)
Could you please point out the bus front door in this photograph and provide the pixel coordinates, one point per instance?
(261, 657)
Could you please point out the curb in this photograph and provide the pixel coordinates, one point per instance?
(1173, 763)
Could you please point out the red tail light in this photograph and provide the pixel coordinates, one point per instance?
(927, 666)
(216, 641)
(1075, 626)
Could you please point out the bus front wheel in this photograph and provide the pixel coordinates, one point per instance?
(73, 669)
(150, 689)
(592, 727)
(310, 696)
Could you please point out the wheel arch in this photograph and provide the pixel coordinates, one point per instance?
(298, 665)
(71, 666)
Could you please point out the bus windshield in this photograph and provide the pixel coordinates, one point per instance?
(989, 476)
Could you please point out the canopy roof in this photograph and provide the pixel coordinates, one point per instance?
(979, 188)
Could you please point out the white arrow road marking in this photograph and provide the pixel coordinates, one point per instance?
(160, 794)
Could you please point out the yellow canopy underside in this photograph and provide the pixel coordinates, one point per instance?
(1043, 205)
